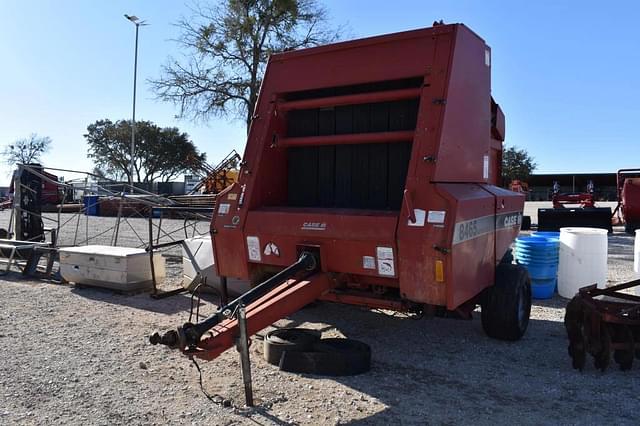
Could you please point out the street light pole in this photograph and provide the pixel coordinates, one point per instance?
(136, 21)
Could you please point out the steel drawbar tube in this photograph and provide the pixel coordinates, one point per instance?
(306, 262)
(190, 334)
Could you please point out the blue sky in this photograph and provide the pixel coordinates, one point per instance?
(567, 74)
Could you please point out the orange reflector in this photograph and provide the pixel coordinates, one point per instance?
(439, 271)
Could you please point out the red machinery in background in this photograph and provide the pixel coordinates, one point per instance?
(574, 209)
(517, 185)
(583, 199)
(628, 186)
(51, 193)
(370, 178)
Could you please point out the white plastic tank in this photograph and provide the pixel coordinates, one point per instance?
(583, 259)
(197, 255)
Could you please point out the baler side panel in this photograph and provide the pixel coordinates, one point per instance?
(431, 113)
(509, 208)
(229, 245)
(230, 258)
(498, 128)
(471, 262)
(416, 244)
(417, 256)
(463, 154)
(495, 162)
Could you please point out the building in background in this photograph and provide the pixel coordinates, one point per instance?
(541, 185)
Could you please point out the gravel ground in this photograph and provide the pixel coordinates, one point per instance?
(80, 356)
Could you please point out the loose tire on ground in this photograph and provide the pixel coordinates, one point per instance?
(329, 357)
(506, 306)
(276, 342)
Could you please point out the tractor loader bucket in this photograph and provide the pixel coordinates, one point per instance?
(602, 322)
(554, 219)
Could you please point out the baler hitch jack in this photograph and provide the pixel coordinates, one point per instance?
(188, 336)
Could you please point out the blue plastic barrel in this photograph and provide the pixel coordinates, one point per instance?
(547, 234)
(91, 205)
(539, 253)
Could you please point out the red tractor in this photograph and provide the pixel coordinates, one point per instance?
(370, 177)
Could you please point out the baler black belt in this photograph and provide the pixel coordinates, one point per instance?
(302, 351)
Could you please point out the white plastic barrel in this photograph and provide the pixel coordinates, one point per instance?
(583, 259)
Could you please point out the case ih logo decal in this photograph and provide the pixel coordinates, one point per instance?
(510, 220)
(470, 229)
(314, 226)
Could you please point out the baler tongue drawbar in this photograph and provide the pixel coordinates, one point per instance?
(279, 296)
(602, 321)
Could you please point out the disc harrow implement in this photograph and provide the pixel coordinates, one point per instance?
(604, 323)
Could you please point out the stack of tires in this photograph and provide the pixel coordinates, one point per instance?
(539, 254)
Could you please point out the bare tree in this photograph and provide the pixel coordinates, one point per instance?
(226, 50)
(26, 150)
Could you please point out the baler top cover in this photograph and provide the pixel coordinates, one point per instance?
(382, 154)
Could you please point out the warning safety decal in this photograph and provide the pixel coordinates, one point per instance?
(385, 261)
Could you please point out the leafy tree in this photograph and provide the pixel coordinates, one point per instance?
(226, 49)
(97, 171)
(26, 150)
(516, 164)
(160, 153)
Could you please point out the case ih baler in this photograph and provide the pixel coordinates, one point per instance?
(369, 178)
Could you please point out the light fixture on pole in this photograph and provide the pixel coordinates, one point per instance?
(137, 22)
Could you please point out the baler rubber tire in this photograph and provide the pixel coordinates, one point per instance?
(508, 257)
(506, 306)
(276, 342)
(329, 357)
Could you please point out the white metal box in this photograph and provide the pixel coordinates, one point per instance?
(118, 268)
